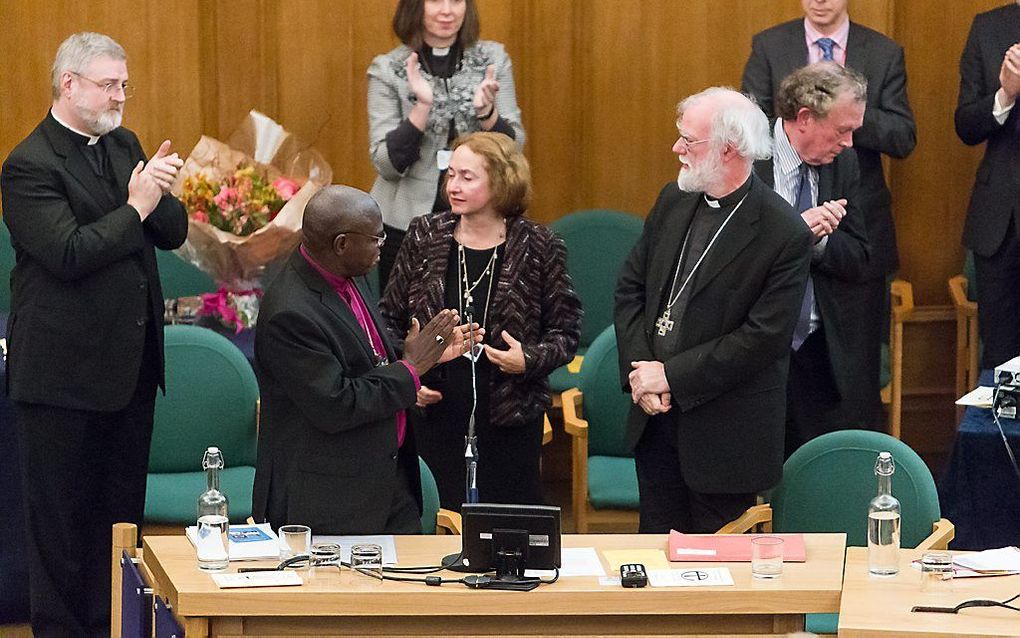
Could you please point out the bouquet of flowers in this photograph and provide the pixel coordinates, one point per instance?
(245, 201)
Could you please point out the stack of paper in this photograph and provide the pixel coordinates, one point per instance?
(729, 547)
(247, 542)
(1004, 561)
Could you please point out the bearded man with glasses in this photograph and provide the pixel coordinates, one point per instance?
(86, 212)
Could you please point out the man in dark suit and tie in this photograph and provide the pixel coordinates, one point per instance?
(827, 33)
(86, 211)
(985, 112)
(336, 451)
(706, 305)
(833, 381)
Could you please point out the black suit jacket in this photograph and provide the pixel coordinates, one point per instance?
(993, 201)
(328, 455)
(839, 277)
(728, 374)
(888, 121)
(85, 287)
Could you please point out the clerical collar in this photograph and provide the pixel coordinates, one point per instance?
(89, 139)
(731, 199)
(440, 52)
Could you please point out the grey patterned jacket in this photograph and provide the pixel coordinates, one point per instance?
(403, 196)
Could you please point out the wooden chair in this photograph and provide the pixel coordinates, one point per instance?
(828, 483)
(125, 539)
(598, 242)
(968, 344)
(826, 487)
(902, 306)
(604, 480)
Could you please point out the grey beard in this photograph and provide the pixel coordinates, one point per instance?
(100, 123)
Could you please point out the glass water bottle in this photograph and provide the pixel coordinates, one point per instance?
(213, 520)
(884, 522)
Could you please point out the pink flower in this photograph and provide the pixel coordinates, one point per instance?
(285, 187)
(225, 198)
(200, 216)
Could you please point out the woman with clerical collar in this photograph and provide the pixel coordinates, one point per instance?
(507, 274)
(440, 83)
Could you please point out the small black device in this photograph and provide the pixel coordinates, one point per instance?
(633, 575)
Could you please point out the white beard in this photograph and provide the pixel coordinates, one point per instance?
(102, 122)
(700, 178)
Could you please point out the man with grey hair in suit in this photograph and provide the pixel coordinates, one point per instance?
(827, 33)
(706, 305)
(86, 211)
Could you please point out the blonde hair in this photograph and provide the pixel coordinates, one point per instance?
(508, 170)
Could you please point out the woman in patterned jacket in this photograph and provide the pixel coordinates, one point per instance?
(440, 83)
(508, 274)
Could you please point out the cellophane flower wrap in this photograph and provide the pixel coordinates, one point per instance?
(245, 200)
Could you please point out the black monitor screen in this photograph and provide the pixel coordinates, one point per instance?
(484, 521)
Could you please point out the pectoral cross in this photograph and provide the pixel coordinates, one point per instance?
(664, 323)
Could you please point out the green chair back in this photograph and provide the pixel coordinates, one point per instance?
(828, 483)
(605, 405)
(612, 477)
(180, 278)
(429, 498)
(6, 266)
(598, 242)
(971, 274)
(211, 396)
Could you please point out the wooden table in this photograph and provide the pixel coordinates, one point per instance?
(875, 606)
(346, 603)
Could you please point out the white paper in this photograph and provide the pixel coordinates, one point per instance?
(701, 577)
(254, 550)
(257, 579)
(576, 561)
(993, 560)
(610, 581)
(980, 397)
(389, 548)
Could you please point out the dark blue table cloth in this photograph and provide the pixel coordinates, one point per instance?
(13, 569)
(980, 492)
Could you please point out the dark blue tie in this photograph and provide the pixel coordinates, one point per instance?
(826, 44)
(804, 202)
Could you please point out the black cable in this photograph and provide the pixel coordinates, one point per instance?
(1002, 433)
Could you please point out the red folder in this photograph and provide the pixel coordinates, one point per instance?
(728, 548)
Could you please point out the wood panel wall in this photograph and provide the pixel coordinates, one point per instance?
(598, 81)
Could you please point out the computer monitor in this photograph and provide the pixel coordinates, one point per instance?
(509, 538)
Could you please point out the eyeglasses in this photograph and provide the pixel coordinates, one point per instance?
(111, 88)
(687, 142)
(379, 239)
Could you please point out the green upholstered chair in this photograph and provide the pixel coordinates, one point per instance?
(211, 399)
(435, 520)
(963, 290)
(605, 489)
(827, 485)
(6, 266)
(180, 278)
(598, 242)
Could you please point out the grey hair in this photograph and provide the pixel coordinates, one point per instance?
(817, 87)
(78, 51)
(737, 122)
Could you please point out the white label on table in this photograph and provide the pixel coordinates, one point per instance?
(700, 577)
(257, 579)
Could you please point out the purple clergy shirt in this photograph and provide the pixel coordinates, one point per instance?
(349, 293)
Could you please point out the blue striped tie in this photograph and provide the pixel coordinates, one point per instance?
(826, 44)
(804, 202)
